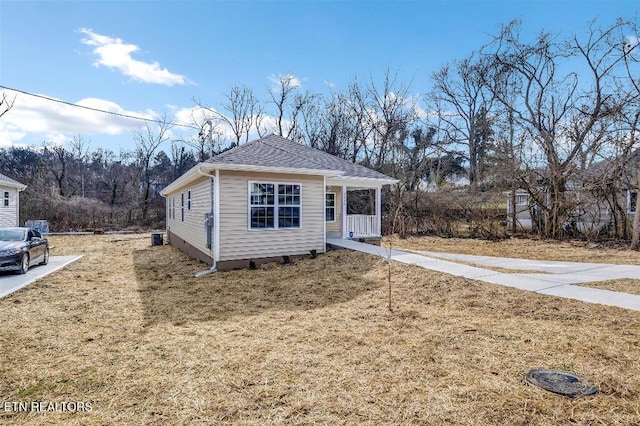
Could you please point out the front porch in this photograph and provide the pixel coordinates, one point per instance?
(353, 212)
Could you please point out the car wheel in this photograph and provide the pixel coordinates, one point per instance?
(45, 260)
(24, 264)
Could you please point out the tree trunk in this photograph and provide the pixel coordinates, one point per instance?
(635, 239)
(514, 214)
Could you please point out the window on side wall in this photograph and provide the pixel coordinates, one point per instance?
(522, 199)
(5, 199)
(182, 206)
(330, 207)
(189, 200)
(274, 205)
(632, 199)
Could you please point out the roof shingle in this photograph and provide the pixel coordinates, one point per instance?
(276, 151)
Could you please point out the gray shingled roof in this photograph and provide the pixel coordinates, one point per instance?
(276, 151)
(7, 179)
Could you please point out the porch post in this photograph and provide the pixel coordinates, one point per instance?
(379, 211)
(344, 212)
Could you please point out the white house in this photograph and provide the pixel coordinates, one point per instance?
(10, 201)
(269, 198)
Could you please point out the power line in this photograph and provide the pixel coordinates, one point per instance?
(150, 120)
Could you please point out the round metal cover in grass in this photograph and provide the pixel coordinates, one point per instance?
(560, 382)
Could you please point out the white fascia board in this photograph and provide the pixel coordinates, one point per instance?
(17, 186)
(363, 182)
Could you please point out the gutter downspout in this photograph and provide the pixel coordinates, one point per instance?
(212, 185)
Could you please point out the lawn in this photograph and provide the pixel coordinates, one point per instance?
(130, 330)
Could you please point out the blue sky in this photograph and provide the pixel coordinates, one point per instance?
(149, 58)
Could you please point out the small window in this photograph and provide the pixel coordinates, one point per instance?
(632, 200)
(330, 207)
(5, 199)
(522, 199)
(189, 200)
(182, 206)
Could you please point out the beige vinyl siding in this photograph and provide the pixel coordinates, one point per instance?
(337, 225)
(192, 230)
(9, 214)
(238, 242)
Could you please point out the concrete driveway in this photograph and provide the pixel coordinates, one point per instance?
(558, 280)
(10, 282)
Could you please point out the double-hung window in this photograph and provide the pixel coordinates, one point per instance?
(330, 207)
(274, 205)
(5, 199)
(182, 206)
(632, 199)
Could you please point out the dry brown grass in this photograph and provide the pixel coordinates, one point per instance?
(479, 265)
(622, 285)
(129, 328)
(569, 251)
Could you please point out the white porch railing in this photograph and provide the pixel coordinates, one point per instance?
(362, 225)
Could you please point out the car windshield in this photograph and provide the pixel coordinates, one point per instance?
(11, 235)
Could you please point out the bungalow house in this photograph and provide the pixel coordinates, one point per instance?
(10, 201)
(268, 198)
(590, 216)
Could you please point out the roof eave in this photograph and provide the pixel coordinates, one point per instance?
(18, 186)
(204, 168)
(363, 180)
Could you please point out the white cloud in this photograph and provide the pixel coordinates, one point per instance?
(291, 80)
(32, 117)
(114, 53)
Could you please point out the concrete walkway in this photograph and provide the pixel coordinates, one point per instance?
(10, 283)
(557, 281)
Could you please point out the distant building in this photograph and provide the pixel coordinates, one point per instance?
(10, 201)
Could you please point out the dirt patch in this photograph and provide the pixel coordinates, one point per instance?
(623, 285)
(306, 343)
(576, 251)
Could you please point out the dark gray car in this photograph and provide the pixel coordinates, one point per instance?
(21, 248)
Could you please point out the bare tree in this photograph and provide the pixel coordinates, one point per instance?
(241, 113)
(391, 114)
(80, 155)
(6, 104)
(563, 115)
(464, 103)
(57, 159)
(631, 53)
(147, 142)
(288, 105)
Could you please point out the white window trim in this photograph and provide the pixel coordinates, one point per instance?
(6, 199)
(526, 199)
(189, 200)
(182, 207)
(335, 207)
(275, 205)
(631, 209)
